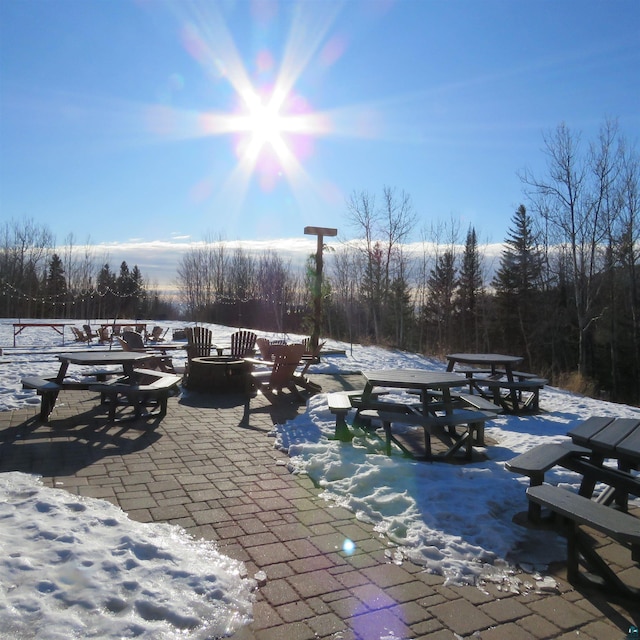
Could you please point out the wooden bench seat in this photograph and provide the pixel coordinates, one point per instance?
(537, 461)
(340, 405)
(141, 394)
(442, 426)
(523, 385)
(529, 385)
(102, 375)
(481, 404)
(472, 371)
(525, 375)
(47, 390)
(578, 510)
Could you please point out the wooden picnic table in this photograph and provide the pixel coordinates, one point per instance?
(491, 361)
(19, 327)
(608, 438)
(49, 388)
(128, 360)
(420, 380)
(439, 413)
(593, 442)
(493, 374)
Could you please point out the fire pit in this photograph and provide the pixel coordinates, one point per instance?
(218, 374)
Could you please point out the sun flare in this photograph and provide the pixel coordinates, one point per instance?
(273, 127)
(265, 124)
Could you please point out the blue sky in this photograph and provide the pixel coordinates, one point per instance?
(126, 120)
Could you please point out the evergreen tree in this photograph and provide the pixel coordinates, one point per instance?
(439, 310)
(517, 284)
(108, 306)
(469, 291)
(138, 293)
(55, 289)
(125, 290)
(401, 311)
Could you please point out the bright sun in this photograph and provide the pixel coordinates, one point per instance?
(264, 124)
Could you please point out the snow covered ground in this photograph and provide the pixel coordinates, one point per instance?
(76, 567)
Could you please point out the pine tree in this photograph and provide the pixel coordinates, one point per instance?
(439, 310)
(470, 289)
(517, 284)
(55, 288)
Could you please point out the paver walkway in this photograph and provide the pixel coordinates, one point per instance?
(212, 470)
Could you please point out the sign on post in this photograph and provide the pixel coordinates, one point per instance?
(321, 232)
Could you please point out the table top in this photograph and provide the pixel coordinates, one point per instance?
(612, 437)
(103, 357)
(39, 324)
(414, 378)
(484, 358)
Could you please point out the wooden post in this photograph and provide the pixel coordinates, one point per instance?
(321, 232)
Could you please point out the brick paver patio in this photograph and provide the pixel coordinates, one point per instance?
(212, 469)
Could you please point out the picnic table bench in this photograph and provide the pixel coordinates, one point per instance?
(532, 385)
(577, 510)
(592, 442)
(47, 390)
(537, 461)
(153, 387)
(340, 404)
(493, 376)
(442, 426)
(440, 413)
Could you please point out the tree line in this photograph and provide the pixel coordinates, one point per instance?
(40, 280)
(563, 294)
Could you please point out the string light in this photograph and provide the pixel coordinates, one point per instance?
(82, 297)
(59, 298)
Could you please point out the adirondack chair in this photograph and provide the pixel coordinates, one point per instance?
(156, 335)
(199, 342)
(91, 334)
(243, 344)
(104, 335)
(268, 347)
(280, 375)
(80, 336)
(133, 341)
(311, 356)
(263, 346)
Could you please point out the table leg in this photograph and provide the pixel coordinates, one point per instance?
(588, 484)
(62, 372)
(129, 373)
(365, 398)
(513, 393)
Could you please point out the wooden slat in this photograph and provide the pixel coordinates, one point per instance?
(630, 445)
(536, 461)
(614, 433)
(618, 525)
(582, 433)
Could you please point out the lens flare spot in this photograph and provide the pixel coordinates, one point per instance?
(265, 62)
(348, 546)
(333, 50)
